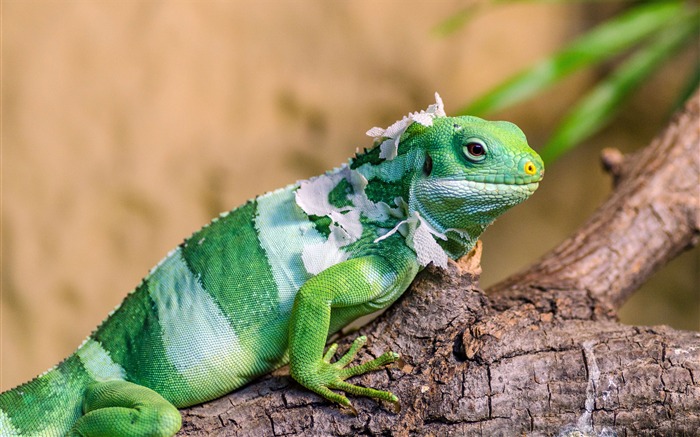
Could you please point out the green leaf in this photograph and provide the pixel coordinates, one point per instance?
(597, 107)
(599, 44)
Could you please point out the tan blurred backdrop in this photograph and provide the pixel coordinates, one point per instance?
(128, 125)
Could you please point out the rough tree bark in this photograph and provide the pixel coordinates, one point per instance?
(539, 354)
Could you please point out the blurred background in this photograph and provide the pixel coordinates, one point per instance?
(128, 125)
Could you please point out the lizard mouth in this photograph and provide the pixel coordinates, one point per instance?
(531, 186)
(498, 188)
(465, 188)
(500, 181)
(504, 184)
(476, 202)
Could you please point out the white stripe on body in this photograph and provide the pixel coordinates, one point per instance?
(198, 338)
(98, 363)
(6, 428)
(283, 231)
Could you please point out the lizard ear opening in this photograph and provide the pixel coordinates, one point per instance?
(428, 165)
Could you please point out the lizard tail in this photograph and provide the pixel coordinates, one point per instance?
(48, 405)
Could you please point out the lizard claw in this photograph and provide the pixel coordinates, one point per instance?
(351, 409)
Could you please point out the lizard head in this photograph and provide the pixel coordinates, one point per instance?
(468, 171)
(453, 174)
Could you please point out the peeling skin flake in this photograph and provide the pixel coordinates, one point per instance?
(348, 222)
(420, 236)
(312, 195)
(318, 257)
(346, 227)
(427, 249)
(392, 134)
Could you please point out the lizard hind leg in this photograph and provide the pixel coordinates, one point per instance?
(120, 408)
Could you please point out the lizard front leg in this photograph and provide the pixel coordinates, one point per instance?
(354, 288)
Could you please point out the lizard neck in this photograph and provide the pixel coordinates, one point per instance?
(459, 241)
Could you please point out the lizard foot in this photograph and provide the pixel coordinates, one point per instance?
(333, 375)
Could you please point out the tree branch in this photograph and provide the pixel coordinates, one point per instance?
(542, 352)
(652, 216)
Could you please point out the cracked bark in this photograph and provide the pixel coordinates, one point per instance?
(541, 353)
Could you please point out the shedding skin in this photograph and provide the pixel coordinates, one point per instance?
(267, 283)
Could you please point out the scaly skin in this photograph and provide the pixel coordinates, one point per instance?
(267, 283)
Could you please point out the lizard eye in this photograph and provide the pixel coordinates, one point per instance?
(475, 150)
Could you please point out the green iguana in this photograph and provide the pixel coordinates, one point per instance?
(266, 283)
